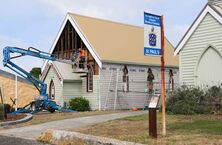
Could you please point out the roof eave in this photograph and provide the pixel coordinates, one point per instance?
(207, 9)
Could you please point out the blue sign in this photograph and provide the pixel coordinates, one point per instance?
(151, 19)
(152, 34)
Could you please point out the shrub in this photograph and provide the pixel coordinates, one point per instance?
(187, 100)
(79, 104)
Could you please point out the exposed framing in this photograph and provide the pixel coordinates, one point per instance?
(81, 35)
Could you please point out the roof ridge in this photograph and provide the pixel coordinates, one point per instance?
(105, 20)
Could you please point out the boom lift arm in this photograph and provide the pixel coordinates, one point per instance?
(42, 102)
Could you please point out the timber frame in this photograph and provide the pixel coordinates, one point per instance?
(69, 42)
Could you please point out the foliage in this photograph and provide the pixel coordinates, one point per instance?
(36, 71)
(187, 100)
(79, 104)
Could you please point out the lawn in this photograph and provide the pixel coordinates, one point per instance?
(43, 117)
(181, 129)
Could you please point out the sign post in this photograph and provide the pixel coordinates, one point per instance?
(152, 115)
(154, 46)
(163, 80)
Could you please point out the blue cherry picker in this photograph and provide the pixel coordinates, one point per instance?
(41, 102)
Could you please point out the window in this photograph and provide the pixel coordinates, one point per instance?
(90, 79)
(51, 90)
(125, 79)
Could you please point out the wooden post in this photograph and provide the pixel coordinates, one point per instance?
(152, 123)
(163, 79)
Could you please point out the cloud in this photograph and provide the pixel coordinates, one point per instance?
(24, 62)
(175, 32)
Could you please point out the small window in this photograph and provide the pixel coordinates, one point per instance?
(51, 90)
(103, 68)
(90, 79)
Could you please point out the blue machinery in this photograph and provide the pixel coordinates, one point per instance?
(41, 102)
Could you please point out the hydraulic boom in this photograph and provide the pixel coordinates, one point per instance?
(41, 102)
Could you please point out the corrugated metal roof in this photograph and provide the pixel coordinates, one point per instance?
(116, 42)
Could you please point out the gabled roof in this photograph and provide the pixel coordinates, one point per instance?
(214, 10)
(63, 71)
(115, 42)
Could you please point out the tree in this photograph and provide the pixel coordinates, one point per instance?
(36, 71)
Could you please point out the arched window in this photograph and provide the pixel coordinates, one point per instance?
(90, 79)
(51, 90)
(125, 79)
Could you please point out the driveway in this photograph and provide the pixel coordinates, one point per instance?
(33, 131)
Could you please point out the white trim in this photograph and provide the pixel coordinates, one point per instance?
(57, 71)
(184, 40)
(81, 35)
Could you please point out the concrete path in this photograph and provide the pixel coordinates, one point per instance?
(33, 131)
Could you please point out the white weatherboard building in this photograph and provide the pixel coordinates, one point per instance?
(118, 76)
(200, 50)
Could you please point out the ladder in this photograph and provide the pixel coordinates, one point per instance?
(109, 86)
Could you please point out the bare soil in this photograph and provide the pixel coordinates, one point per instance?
(13, 117)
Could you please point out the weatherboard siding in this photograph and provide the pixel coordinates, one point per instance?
(137, 85)
(93, 97)
(208, 33)
(72, 90)
(58, 86)
(216, 2)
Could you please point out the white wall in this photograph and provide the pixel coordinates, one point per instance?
(137, 85)
(58, 86)
(209, 33)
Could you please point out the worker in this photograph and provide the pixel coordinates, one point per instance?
(82, 59)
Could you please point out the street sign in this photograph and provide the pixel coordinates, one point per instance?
(152, 34)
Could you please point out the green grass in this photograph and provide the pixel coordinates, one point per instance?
(181, 129)
(135, 118)
(200, 126)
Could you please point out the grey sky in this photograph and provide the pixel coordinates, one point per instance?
(36, 22)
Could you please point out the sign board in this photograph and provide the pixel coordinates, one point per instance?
(154, 100)
(152, 34)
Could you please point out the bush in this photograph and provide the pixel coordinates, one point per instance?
(195, 101)
(79, 104)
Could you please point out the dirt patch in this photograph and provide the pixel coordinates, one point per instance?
(13, 117)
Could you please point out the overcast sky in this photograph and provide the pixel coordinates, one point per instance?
(36, 22)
